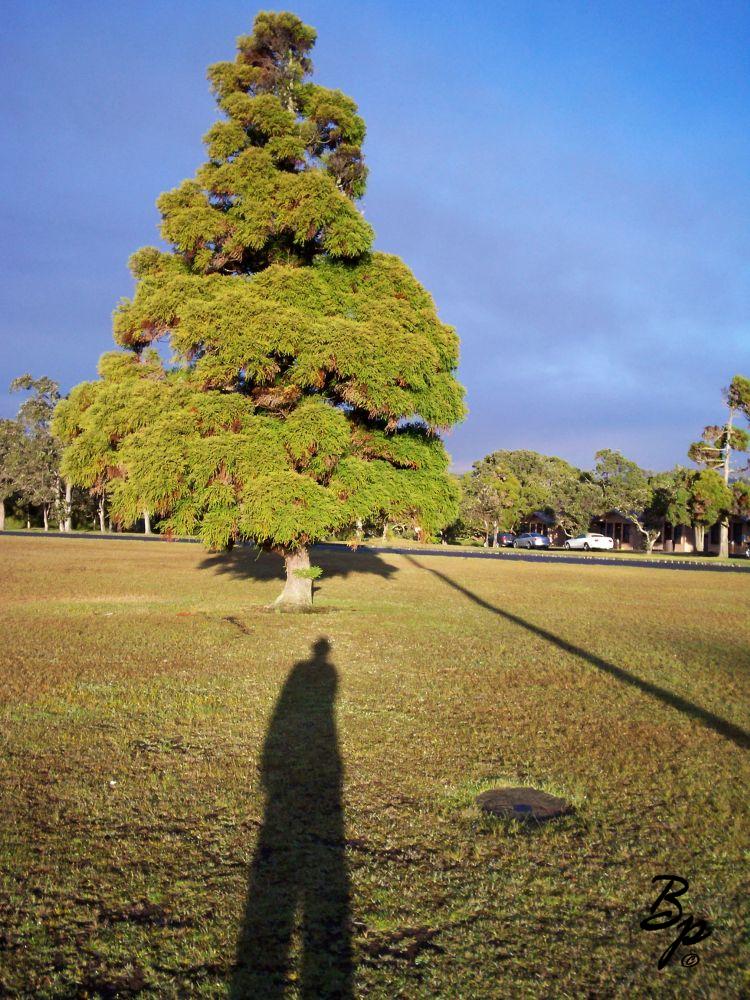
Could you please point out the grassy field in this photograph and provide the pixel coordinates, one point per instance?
(201, 798)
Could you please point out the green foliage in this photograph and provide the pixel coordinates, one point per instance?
(690, 497)
(36, 410)
(624, 485)
(11, 451)
(627, 488)
(33, 452)
(534, 472)
(490, 497)
(311, 573)
(717, 443)
(677, 509)
(575, 502)
(710, 497)
(310, 375)
(737, 395)
(741, 498)
(550, 485)
(710, 451)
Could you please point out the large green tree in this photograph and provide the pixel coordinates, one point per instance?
(310, 375)
(489, 498)
(37, 477)
(11, 452)
(741, 508)
(719, 442)
(630, 490)
(671, 496)
(552, 486)
(710, 501)
(692, 498)
(741, 498)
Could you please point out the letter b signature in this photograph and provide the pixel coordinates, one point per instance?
(690, 930)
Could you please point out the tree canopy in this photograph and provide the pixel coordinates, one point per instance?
(29, 452)
(550, 485)
(310, 375)
(11, 462)
(490, 497)
(710, 500)
(627, 488)
(719, 442)
(690, 497)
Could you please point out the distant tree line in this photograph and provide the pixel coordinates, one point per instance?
(32, 487)
(502, 492)
(505, 489)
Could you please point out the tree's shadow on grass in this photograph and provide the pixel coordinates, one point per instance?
(299, 875)
(248, 563)
(726, 729)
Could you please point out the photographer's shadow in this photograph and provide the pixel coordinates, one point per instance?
(298, 875)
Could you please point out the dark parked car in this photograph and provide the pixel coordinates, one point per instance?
(506, 538)
(531, 540)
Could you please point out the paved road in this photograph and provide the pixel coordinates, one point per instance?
(661, 562)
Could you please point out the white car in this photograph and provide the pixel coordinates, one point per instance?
(590, 541)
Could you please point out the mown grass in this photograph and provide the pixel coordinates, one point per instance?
(166, 742)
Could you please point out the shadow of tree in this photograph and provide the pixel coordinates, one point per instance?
(247, 563)
(726, 729)
(299, 876)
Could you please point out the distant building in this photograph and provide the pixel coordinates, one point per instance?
(626, 536)
(673, 537)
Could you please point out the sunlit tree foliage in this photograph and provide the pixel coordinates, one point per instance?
(310, 375)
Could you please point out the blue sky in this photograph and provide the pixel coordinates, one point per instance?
(568, 179)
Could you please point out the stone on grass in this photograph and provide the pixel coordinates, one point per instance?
(523, 804)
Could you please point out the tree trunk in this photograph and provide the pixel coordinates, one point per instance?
(727, 464)
(28, 519)
(360, 529)
(2, 515)
(68, 505)
(494, 536)
(45, 516)
(699, 533)
(385, 530)
(60, 506)
(724, 526)
(297, 594)
(101, 515)
(724, 539)
(146, 523)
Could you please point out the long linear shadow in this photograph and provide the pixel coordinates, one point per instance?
(727, 729)
(299, 871)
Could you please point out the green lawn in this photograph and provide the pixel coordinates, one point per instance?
(199, 797)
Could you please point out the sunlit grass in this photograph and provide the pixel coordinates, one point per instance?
(135, 709)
